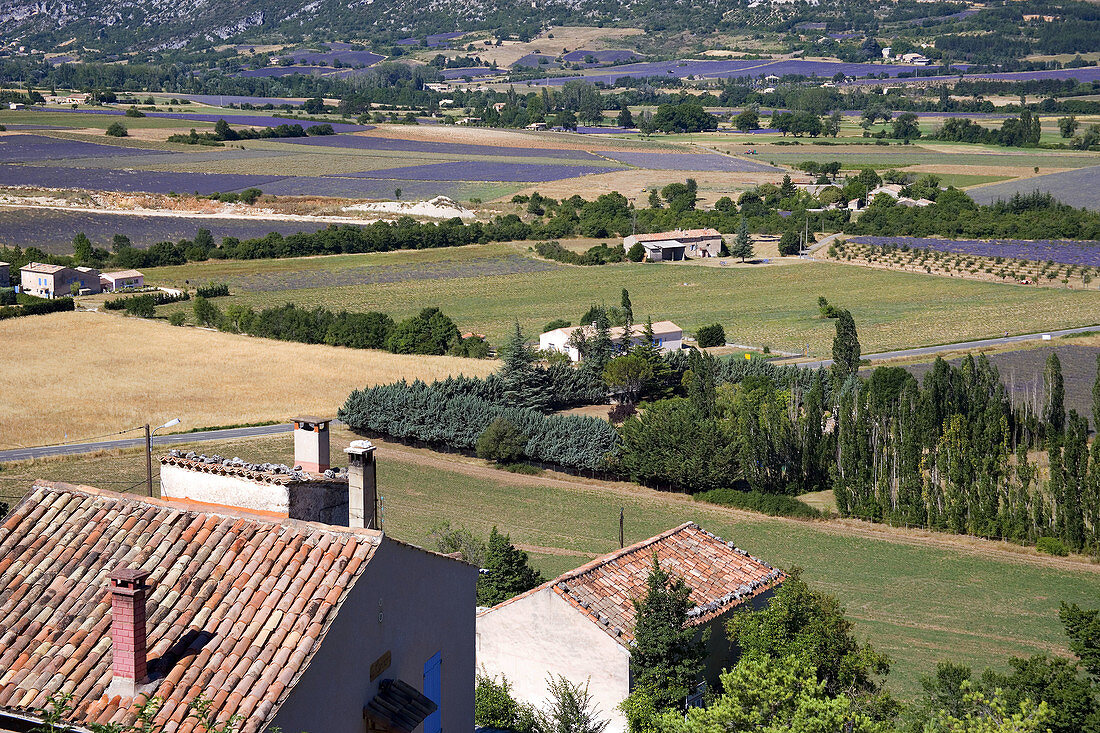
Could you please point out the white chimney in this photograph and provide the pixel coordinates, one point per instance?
(311, 444)
(362, 485)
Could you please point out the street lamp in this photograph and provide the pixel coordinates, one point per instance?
(149, 452)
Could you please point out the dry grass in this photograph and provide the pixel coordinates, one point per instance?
(78, 375)
(572, 37)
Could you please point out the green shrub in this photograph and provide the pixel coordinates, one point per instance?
(1052, 546)
(178, 318)
(494, 707)
(636, 253)
(212, 290)
(37, 307)
(790, 243)
(159, 298)
(134, 112)
(116, 129)
(428, 332)
(556, 324)
(776, 505)
(502, 442)
(712, 335)
(7, 296)
(142, 306)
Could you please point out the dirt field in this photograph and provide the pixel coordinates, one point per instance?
(588, 38)
(79, 375)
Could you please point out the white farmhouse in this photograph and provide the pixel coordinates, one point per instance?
(677, 245)
(667, 336)
(581, 624)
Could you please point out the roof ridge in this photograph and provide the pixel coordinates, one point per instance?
(622, 552)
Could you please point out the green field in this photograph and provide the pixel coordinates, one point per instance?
(94, 121)
(919, 600)
(773, 305)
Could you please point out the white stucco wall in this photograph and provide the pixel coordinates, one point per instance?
(556, 340)
(412, 604)
(181, 483)
(540, 635)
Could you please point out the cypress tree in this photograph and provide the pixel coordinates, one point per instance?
(1055, 414)
(1096, 398)
(666, 654)
(507, 572)
(846, 350)
(628, 311)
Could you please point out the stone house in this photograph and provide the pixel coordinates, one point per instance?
(581, 624)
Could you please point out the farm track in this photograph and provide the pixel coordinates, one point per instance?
(993, 549)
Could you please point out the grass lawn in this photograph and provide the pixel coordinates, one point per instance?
(920, 599)
(774, 305)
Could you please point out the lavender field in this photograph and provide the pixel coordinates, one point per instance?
(1064, 251)
(688, 162)
(31, 148)
(251, 120)
(128, 181)
(483, 171)
(1079, 188)
(473, 72)
(368, 188)
(345, 56)
(53, 230)
(612, 56)
(370, 142)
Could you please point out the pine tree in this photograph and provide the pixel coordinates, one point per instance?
(507, 572)
(742, 247)
(82, 249)
(523, 384)
(600, 348)
(846, 350)
(666, 655)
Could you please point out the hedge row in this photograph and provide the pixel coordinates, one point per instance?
(158, 298)
(37, 309)
(419, 411)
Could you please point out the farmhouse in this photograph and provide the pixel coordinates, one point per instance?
(52, 281)
(581, 624)
(121, 280)
(916, 59)
(268, 615)
(677, 245)
(667, 336)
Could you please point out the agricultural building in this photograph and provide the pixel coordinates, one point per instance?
(581, 624)
(54, 281)
(667, 336)
(268, 614)
(121, 280)
(677, 245)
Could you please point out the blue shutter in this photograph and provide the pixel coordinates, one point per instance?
(433, 690)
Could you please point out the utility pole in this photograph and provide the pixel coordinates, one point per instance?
(148, 461)
(621, 543)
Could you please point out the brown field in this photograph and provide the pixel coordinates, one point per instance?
(635, 184)
(589, 38)
(123, 372)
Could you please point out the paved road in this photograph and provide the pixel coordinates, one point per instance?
(931, 350)
(22, 454)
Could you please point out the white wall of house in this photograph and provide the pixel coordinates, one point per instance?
(541, 634)
(412, 604)
(558, 340)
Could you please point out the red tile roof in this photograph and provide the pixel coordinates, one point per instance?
(721, 577)
(237, 604)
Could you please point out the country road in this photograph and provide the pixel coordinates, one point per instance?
(981, 343)
(23, 454)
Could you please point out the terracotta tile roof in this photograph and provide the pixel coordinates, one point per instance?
(237, 604)
(678, 234)
(721, 577)
(266, 473)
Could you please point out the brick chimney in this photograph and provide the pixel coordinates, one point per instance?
(362, 486)
(128, 637)
(311, 444)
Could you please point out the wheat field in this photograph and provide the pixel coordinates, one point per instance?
(73, 376)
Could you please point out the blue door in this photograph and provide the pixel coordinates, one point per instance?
(433, 690)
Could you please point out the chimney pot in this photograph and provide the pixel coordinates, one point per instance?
(311, 443)
(128, 636)
(362, 485)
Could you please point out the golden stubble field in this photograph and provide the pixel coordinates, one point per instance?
(78, 375)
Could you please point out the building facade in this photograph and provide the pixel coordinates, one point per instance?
(111, 282)
(58, 281)
(677, 245)
(667, 336)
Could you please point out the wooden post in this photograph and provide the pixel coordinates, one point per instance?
(621, 543)
(148, 462)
